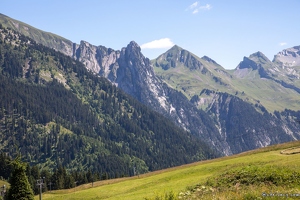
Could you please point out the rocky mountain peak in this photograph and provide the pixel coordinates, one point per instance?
(177, 56)
(260, 59)
(259, 55)
(288, 57)
(254, 61)
(247, 63)
(133, 46)
(85, 53)
(133, 52)
(176, 48)
(173, 53)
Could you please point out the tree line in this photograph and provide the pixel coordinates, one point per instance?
(57, 179)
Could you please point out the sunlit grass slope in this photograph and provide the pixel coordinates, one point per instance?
(181, 179)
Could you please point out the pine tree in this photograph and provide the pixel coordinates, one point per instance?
(19, 185)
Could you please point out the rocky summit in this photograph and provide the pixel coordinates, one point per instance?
(288, 57)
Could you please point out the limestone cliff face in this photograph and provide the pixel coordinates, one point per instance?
(86, 53)
(135, 76)
(127, 68)
(98, 59)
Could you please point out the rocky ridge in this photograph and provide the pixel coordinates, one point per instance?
(288, 57)
(284, 69)
(133, 73)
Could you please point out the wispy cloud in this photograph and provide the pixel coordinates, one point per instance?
(158, 44)
(196, 7)
(206, 7)
(195, 11)
(282, 43)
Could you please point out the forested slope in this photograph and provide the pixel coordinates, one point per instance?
(57, 112)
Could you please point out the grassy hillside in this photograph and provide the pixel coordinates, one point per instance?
(46, 38)
(270, 94)
(178, 68)
(190, 74)
(238, 177)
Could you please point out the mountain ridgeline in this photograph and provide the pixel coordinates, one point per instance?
(240, 101)
(252, 106)
(55, 112)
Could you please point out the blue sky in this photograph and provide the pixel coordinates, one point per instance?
(224, 30)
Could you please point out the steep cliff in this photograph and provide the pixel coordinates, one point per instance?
(243, 126)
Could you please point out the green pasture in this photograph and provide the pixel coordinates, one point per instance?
(271, 95)
(179, 179)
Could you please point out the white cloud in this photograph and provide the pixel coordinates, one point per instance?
(195, 11)
(158, 44)
(195, 7)
(282, 43)
(206, 7)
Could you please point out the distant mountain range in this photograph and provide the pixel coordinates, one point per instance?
(252, 106)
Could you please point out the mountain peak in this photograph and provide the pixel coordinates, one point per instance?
(247, 63)
(288, 57)
(133, 43)
(133, 46)
(259, 57)
(176, 47)
(257, 54)
(133, 51)
(254, 61)
(177, 56)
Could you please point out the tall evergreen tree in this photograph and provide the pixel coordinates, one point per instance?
(19, 185)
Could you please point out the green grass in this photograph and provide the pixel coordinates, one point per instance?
(189, 82)
(198, 179)
(270, 94)
(46, 38)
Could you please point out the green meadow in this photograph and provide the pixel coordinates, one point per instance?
(266, 172)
